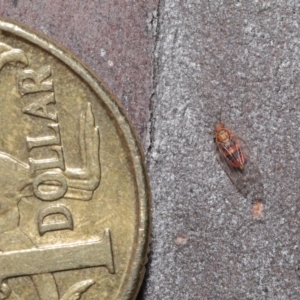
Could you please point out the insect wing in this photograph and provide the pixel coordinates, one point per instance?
(247, 180)
(233, 152)
(234, 174)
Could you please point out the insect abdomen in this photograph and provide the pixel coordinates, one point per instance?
(235, 156)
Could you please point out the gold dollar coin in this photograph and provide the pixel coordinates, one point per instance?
(74, 206)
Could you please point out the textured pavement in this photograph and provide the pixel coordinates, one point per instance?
(241, 58)
(175, 65)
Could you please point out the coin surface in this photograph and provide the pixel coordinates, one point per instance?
(74, 208)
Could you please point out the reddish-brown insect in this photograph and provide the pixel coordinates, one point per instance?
(237, 160)
(230, 147)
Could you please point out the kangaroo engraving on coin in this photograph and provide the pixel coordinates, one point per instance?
(74, 207)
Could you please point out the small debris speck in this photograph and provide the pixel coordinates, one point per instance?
(181, 239)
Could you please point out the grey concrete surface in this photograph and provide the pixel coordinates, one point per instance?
(241, 58)
(202, 57)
